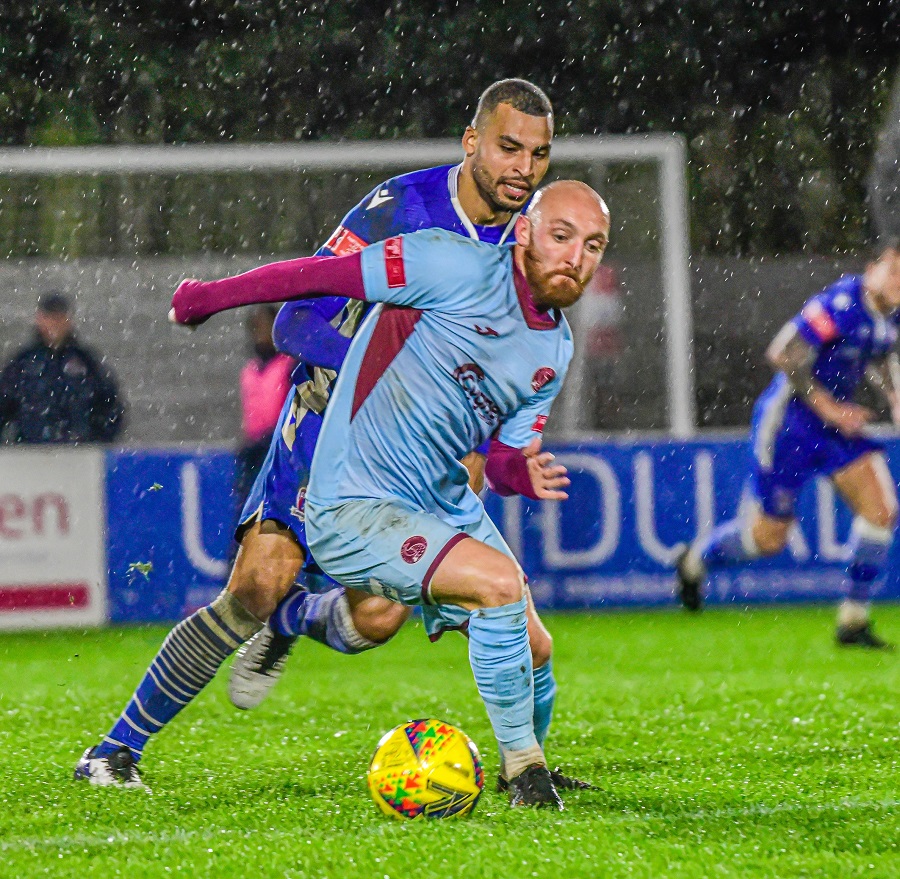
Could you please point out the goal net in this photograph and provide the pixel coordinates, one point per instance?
(118, 227)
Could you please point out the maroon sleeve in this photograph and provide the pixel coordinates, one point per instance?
(195, 301)
(506, 471)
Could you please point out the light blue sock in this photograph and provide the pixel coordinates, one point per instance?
(726, 545)
(501, 662)
(544, 697)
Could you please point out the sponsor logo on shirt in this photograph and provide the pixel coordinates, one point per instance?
(344, 242)
(470, 376)
(393, 262)
(541, 377)
(413, 549)
(486, 331)
(539, 424)
(820, 321)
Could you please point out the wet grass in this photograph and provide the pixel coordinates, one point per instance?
(729, 744)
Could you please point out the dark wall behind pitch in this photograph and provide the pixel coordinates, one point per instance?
(182, 385)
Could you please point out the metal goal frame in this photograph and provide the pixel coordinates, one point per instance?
(667, 150)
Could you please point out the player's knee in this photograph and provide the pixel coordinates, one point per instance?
(883, 517)
(382, 623)
(541, 644)
(767, 536)
(505, 586)
(770, 542)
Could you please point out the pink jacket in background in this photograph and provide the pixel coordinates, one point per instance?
(263, 389)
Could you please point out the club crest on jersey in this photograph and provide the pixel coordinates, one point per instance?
(413, 549)
(344, 242)
(541, 377)
(298, 511)
(393, 262)
(470, 376)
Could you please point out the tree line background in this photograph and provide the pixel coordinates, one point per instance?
(781, 103)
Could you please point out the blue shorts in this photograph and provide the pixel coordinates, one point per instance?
(791, 444)
(388, 548)
(279, 491)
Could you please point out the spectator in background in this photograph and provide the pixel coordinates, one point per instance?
(265, 380)
(56, 390)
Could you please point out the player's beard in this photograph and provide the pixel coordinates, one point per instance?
(552, 288)
(489, 190)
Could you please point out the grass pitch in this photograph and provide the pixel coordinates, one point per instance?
(728, 744)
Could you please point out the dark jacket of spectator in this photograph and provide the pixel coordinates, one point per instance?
(59, 394)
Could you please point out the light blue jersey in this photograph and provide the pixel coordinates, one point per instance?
(456, 353)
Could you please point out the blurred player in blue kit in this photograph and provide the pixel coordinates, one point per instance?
(507, 150)
(805, 424)
(468, 344)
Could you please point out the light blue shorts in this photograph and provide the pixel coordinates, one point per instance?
(385, 547)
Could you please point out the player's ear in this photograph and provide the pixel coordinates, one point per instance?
(470, 140)
(523, 230)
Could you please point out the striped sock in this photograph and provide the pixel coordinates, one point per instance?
(187, 661)
(322, 616)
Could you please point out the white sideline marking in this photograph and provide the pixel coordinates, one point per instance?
(84, 839)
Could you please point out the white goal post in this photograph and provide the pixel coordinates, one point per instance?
(666, 150)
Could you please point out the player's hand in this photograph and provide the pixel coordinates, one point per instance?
(850, 418)
(547, 479)
(186, 304)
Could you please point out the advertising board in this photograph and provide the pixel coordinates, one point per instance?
(52, 528)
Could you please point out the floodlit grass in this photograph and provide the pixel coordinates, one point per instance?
(727, 744)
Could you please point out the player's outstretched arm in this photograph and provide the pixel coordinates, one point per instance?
(529, 472)
(196, 301)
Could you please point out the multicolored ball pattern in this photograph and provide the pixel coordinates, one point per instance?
(426, 769)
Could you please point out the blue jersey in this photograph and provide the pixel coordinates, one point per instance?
(422, 199)
(846, 333)
(455, 354)
(790, 441)
(419, 200)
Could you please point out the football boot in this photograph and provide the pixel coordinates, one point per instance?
(534, 787)
(861, 635)
(689, 580)
(257, 666)
(560, 782)
(118, 769)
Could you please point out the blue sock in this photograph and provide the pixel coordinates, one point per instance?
(324, 617)
(726, 546)
(544, 697)
(501, 662)
(187, 661)
(869, 546)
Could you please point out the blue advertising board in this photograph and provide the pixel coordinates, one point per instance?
(170, 519)
(610, 545)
